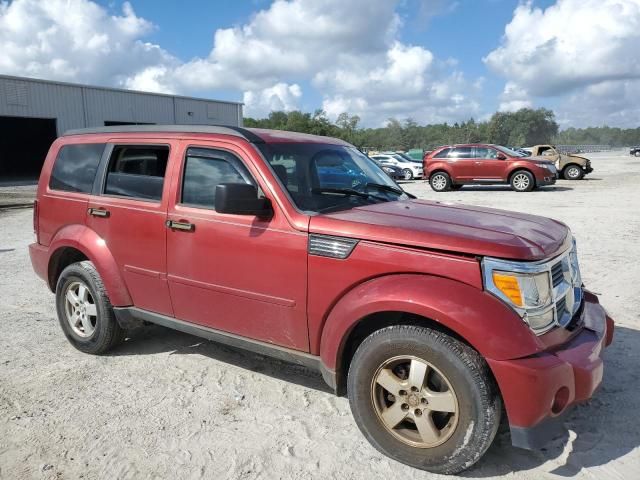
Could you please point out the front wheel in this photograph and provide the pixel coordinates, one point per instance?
(522, 181)
(423, 398)
(573, 172)
(407, 174)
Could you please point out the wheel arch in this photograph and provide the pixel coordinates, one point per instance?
(520, 169)
(459, 310)
(77, 243)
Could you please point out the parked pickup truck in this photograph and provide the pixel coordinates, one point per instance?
(570, 166)
(431, 317)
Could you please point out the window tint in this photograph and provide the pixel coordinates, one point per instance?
(461, 152)
(75, 168)
(137, 171)
(205, 169)
(483, 152)
(442, 154)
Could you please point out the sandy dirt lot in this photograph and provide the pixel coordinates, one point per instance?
(168, 405)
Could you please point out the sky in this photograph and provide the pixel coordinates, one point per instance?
(428, 60)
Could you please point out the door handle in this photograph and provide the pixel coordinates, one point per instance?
(184, 226)
(98, 212)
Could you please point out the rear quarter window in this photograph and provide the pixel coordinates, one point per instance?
(442, 153)
(75, 167)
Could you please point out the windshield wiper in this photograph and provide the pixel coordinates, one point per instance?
(348, 192)
(386, 188)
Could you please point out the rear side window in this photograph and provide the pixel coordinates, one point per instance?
(442, 153)
(75, 167)
(137, 171)
(204, 170)
(461, 152)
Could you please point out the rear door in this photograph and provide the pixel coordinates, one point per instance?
(128, 211)
(488, 167)
(462, 163)
(236, 273)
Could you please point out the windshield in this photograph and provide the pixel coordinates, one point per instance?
(322, 178)
(509, 152)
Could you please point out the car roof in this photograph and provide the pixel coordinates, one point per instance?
(252, 135)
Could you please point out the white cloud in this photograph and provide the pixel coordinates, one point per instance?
(75, 40)
(570, 48)
(349, 50)
(278, 97)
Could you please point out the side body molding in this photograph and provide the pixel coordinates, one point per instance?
(468, 311)
(95, 249)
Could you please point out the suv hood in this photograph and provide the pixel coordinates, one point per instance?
(447, 227)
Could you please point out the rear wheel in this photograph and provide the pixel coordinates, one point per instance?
(84, 310)
(573, 172)
(440, 181)
(522, 181)
(423, 398)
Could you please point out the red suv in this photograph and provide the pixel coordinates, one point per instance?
(453, 166)
(430, 317)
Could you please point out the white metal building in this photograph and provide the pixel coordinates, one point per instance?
(34, 112)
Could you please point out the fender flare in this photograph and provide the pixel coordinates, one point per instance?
(469, 312)
(94, 247)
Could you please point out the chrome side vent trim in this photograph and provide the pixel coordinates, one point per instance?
(333, 247)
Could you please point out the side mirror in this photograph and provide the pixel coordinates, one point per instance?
(241, 199)
(501, 156)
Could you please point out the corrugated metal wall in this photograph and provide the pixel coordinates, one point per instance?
(78, 106)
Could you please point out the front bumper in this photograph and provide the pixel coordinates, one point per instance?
(539, 390)
(548, 179)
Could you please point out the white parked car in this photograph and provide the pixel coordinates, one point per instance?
(410, 168)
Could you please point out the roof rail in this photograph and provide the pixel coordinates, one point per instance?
(216, 129)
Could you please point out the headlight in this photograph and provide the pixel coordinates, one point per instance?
(387, 169)
(526, 287)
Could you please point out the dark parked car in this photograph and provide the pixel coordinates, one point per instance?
(393, 171)
(635, 151)
(432, 318)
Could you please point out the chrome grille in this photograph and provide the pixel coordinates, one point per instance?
(333, 247)
(561, 309)
(557, 274)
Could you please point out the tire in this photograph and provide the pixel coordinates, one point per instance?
(573, 172)
(637, 154)
(522, 181)
(407, 174)
(440, 181)
(459, 438)
(88, 332)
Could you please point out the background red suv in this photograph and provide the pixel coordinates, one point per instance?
(457, 165)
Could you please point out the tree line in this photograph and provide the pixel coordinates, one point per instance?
(525, 127)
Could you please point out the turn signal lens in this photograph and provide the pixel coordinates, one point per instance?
(508, 284)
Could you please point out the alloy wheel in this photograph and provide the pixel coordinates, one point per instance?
(414, 401)
(408, 175)
(573, 172)
(521, 181)
(80, 309)
(439, 182)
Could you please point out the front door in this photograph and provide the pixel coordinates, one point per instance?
(236, 273)
(129, 214)
(488, 167)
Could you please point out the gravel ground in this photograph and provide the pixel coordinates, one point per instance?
(17, 195)
(169, 405)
